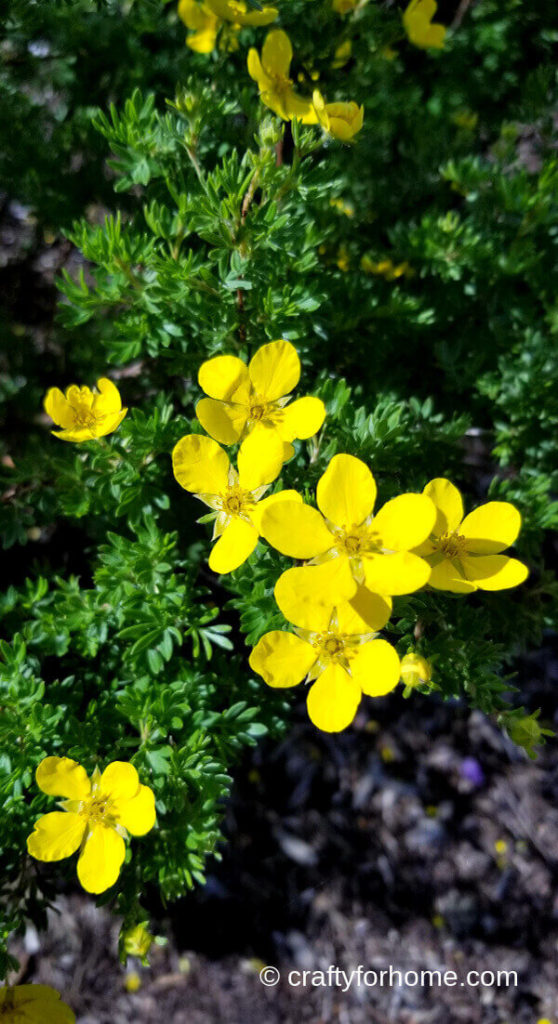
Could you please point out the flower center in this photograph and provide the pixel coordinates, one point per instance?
(257, 412)
(236, 502)
(453, 545)
(331, 646)
(98, 810)
(83, 416)
(352, 544)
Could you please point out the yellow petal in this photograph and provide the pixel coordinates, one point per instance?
(258, 18)
(448, 576)
(101, 859)
(448, 502)
(204, 40)
(192, 14)
(138, 814)
(257, 513)
(434, 37)
(275, 368)
(35, 1004)
(256, 71)
(305, 597)
(299, 107)
(223, 377)
(120, 781)
(58, 408)
(404, 522)
(260, 458)
(200, 465)
(296, 530)
(234, 546)
(238, 14)
(494, 572)
(77, 396)
(302, 419)
(108, 400)
(57, 835)
(347, 491)
(107, 424)
(376, 668)
(282, 659)
(275, 103)
(364, 612)
(400, 573)
(221, 420)
(333, 700)
(60, 776)
(277, 54)
(491, 528)
(77, 436)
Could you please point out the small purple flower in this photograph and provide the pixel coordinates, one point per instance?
(471, 770)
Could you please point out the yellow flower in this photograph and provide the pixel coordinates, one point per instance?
(343, 207)
(373, 550)
(202, 467)
(236, 12)
(342, 54)
(465, 552)
(84, 414)
(243, 398)
(33, 1004)
(386, 268)
(203, 22)
(334, 647)
(415, 670)
(343, 259)
(417, 21)
(97, 815)
(340, 120)
(272, 75)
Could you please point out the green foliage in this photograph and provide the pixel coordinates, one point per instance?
(220, 229)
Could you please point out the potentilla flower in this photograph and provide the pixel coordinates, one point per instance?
(415, 670)
(203, 23)
(97, 815)
(202, 467)
(386, 268)
(335, 647)
(236, 12)
(243, 398)
(417, 21)
(464, 553)
(84, 414)
(342, 54)
(272, 75)
(340, 120)
(373, 550)
(33, 1004)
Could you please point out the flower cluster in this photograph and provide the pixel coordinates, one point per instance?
(356, 560)
(271, 72)
(206, 20)
(247, 403)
